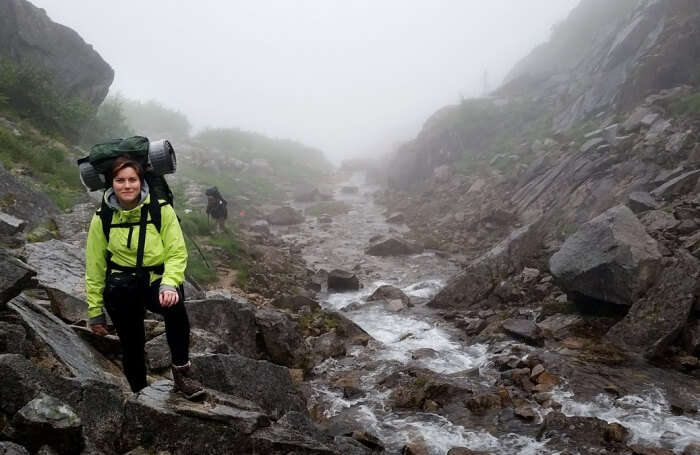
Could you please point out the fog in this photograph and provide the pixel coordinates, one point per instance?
(351, 77)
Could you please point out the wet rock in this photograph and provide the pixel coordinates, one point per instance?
(158, 418)
(481, 277)
(388, 292)
(392, 247)
(682, 184)
(657, 319)
(158, 351)
(610, 258)
(638, 449)
(525, 412)
(691, 337)
(59, 339)
(585, 432)
(99, 405)
(473, 326)
(415, 448)
(296, 304)
(15, 276)
(268, 385)
(367, 439)
(397, 218)
(261, 227)
(12, 338)
(641, 201)
(465, 451)
(525, 330)
(48, 421)
(61, 268)
(285, 216)
(560, 325)
(10, 448)
(232, 320)
(293, 434)
(108, 345)
(659, 220)
(9, 225)
(340, 280)
(692, 449)
(281, 338)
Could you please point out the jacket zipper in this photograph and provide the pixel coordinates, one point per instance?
(128, 240)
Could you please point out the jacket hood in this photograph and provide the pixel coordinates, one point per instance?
(113, 202)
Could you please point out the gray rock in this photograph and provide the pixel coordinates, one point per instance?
(677, 142)
(268, 385)
(593, 134)
(558, 325)
(657, 319)
(281, 338)
(10, 448)
(15, 276)
(610, 258)
(231, 320)
(397, 217)
(48, 421)
(481, 276)
(388, 292)
(296, 303)
(659, 220)
(524, 329)
(683, 184)
(326, 346)
(61, 268)
(9, 225)
(109, 345)
(201, 342)
(261, 226)
(285, 216)
(649, 119)
(634, 121)
(12, 338)
(295, 434)
(585, 432)
(81, 360)
(691, 337)
(73, 226)
(158, 418)
(641, 201)
(392, 247)
(591, 144)
(340, 280)
(20, 200)
(610, 134)
(192, 292)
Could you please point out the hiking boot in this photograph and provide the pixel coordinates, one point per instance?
(189, 387)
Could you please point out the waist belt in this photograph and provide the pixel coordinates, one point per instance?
(158, 269)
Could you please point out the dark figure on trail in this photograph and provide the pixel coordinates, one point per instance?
(135, 260)
(216, 208)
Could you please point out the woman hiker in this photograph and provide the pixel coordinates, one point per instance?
(132, 266)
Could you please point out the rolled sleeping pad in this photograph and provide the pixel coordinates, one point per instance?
(91, 179)
(161, 155)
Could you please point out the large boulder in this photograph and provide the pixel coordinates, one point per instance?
(15, 276)
(656, 320)
(281, 338)
(231, 320)
(157, 418)
(388, 292)
(20, 200)
(201, 342)
(61, 344)
(27, 34)
(610, 258)
(340, 280)
(393, 247)
(61, 269)
(48, 421)
(268, 385)
(585, 433)
(284, 216)
(481, 277)
(683, 184)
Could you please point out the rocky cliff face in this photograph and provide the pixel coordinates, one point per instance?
(603, 60)
(28, 35)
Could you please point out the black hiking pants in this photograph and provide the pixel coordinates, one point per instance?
(128, 312)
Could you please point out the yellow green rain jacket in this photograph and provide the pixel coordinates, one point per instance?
(167, 247)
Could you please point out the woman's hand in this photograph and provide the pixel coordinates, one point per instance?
(99, 329)
(168, 298)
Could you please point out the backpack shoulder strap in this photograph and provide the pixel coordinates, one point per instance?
(105, 212)
(154, 208)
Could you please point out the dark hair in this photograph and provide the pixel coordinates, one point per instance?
(125, 161)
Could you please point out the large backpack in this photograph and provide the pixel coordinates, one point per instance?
(157, 158)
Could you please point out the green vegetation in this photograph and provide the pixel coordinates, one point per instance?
(497, 135)
(331, 208)
(28, 91)
(46, 160)
(687, 106)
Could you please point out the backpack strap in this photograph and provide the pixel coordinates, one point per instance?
(105, 212)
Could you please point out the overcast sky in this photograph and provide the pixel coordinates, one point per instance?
(348, 76)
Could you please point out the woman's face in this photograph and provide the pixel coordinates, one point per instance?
(127, 187)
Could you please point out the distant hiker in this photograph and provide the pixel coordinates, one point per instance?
(216, 208)
(135, 260)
